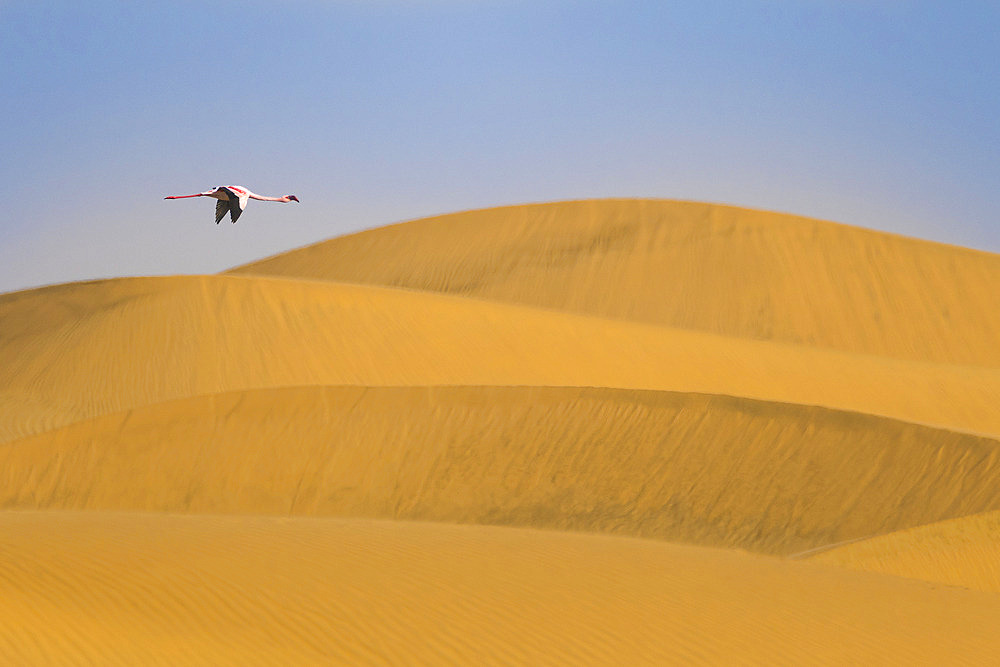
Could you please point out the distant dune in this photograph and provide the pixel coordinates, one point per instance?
(732, 271)
(536, 434)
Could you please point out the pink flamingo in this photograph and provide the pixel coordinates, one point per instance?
(233, 198)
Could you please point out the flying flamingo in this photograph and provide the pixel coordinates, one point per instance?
(233, 198)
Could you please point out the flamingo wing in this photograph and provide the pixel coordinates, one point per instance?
(238, 198)
(235, 210)
(221, 208)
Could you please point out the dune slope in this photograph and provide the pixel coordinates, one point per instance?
(710, 470)
(961, 552)
(76, 351)
(727, 270)
(158, 589)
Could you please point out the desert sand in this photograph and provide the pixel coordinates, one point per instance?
(135, 588)
(962, 552)
(604, 432)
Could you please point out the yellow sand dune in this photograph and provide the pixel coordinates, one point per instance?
(160, 589)
(727, 270)
(709, 470)
(960, 552)
(76, 351)
(234, 469)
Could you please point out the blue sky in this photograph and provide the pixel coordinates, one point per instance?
(882, 114)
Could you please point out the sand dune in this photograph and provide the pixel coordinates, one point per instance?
(97, 587)
(727, 270)
(346, 453)
(108, 346)
(961, 552)
(710, 470)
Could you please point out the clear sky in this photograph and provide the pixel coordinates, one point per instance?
(883, 114)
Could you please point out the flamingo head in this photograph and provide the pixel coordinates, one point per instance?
(292, 198)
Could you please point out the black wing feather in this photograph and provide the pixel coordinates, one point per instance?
(234, 209)
(221, 208)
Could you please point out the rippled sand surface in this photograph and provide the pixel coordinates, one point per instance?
(615, 431)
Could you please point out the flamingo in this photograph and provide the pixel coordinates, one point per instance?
(233, 198)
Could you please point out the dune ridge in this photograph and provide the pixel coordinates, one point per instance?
(134, 342)
(701, 469)
(733, 271)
